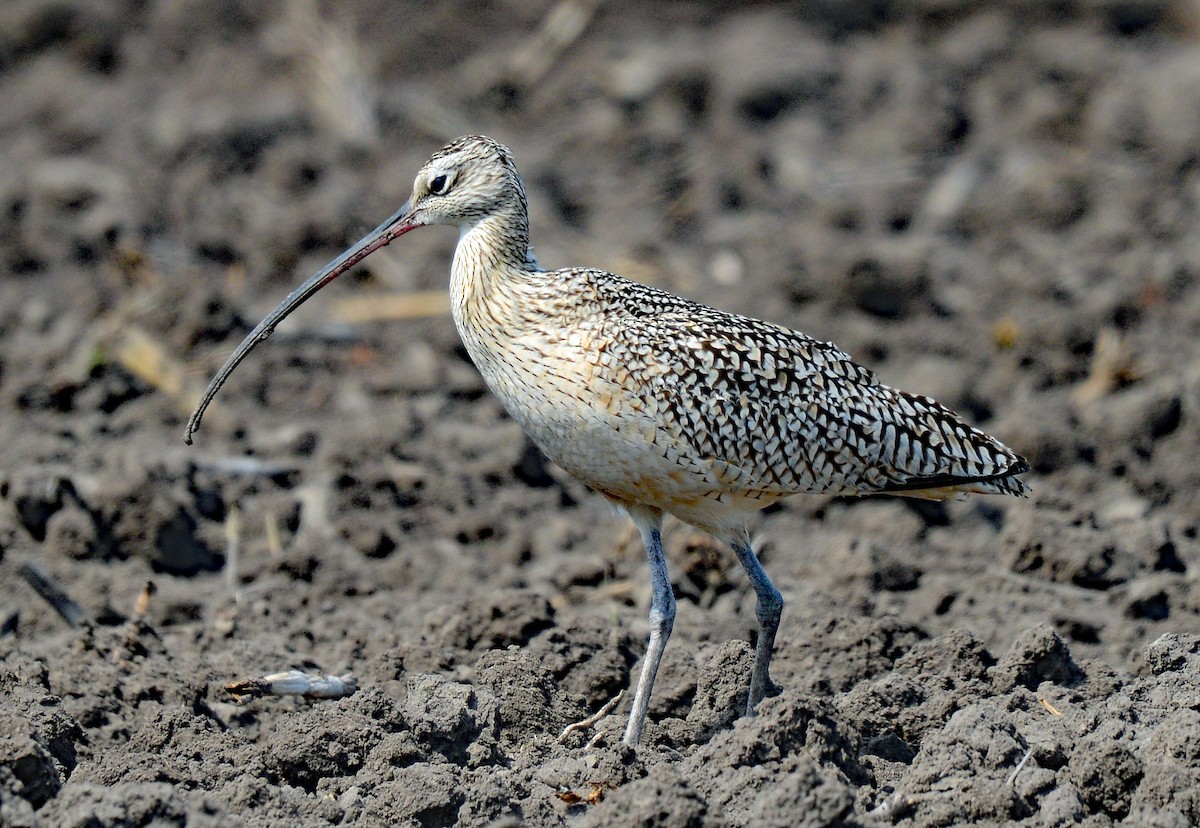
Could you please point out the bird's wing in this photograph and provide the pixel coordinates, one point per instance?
(779, 412)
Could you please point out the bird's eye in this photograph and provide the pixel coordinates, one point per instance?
(437, 184)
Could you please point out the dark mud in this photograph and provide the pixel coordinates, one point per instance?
(995, 204)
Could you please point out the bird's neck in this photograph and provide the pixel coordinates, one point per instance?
(491, 263)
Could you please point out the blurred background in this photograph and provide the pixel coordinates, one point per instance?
(993, 203)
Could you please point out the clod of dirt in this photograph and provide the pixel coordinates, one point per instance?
(528, 701)
(427, 795)
(38, 739)
(721, 691)
(592, 659)
(1106, 774)
(141, 804)
(747, 779)
(26, 767)
(1170, 765)
(308, 745)
(503, 618)
(448, 718)
(663, 799)
(926, 686)
(976, 751)
(1037, 655)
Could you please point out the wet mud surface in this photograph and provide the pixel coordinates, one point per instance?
(993, 204)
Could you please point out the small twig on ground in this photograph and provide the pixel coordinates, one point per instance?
(63, 604)
(593, 797)
(1013, 777)
(131, 645)
(293, 683)
(595, 740)
(226, 618)
(592, 719)
(948, 194)
(1046, 704)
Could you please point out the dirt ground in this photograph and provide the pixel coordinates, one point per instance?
(992, 203)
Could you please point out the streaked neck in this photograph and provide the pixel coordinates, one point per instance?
(491, 260)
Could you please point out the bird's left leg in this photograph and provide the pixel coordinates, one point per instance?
(768, 610)
(662, 616)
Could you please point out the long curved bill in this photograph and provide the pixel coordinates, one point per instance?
(381, 236)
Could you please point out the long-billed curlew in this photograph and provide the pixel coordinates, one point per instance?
(659, 403)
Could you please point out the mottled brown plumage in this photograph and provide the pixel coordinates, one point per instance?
(659, 403)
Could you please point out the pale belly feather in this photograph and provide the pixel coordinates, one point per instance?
(607, 434)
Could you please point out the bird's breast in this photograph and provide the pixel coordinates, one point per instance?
(587, 411)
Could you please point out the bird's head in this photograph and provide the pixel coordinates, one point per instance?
(465, 182)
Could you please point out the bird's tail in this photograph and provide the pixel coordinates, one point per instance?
(953, 457)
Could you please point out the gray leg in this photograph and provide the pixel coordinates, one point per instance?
(768, 610)
(662, 619)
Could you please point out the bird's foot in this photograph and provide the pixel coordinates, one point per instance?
(757, 694)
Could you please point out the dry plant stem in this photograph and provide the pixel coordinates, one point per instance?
(592, 719)
(142, 604)
(274, 544)
(392, 306)
(1112, 362)
(893, 807)
(150, 361)
(134, 627)
(1013, 777)
(1053, 710)
(54, 595)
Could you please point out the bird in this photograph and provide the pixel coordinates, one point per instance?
(660, 404)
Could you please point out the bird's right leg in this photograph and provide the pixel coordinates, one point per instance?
(768, 609)
(662, 617)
